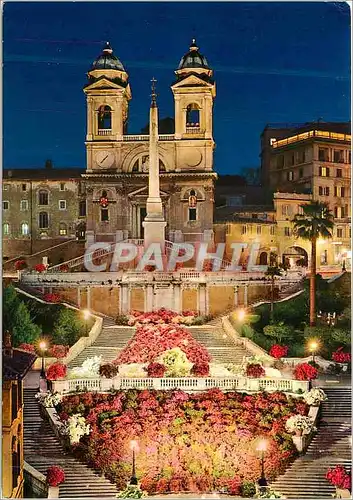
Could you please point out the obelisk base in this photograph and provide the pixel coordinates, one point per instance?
(154, 232)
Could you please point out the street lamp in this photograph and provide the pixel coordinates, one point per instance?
(262, 447)
(313, 347)
(43, 347)
(241, 314)
(86, 315)
(134, 447)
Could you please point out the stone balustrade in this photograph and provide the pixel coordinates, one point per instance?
(187, 384)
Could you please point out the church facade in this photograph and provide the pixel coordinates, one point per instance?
(116, 177)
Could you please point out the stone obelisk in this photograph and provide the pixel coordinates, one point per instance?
(154, 223)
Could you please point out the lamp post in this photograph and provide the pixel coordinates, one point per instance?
(86, 315)
(313, 346)
(134, 447)
(241, 314)
(262, 482)
(43, 348)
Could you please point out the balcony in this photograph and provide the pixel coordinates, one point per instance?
(146, 138)
(105, 131)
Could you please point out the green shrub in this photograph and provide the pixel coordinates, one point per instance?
(121, 319)
(279, 331)
(68, 328)
(248, 489)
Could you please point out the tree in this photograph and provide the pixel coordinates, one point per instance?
(273, 272)
(67, 328)
(279, 331)
(315, 221)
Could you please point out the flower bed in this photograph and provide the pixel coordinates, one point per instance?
(196, 443)
(166, 316)
(151, 341)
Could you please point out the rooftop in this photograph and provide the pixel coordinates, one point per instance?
(42, 174)
(16, 367)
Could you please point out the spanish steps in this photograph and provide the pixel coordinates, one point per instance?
(331, 446)
(42, 449)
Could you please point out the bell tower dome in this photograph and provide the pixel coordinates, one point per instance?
(194, 92)
(108, 94)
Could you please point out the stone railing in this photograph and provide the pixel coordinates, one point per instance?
(36, 480)
(248, 344)
(144, 137)
(187, 384)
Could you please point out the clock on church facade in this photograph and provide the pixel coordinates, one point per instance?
(116, 174)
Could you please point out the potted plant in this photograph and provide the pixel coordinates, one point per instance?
(55, 476)
(341, 479)
(299, 425)
(341, 358)
(314, 397)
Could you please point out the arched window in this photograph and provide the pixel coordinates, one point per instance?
(104, 118)
(43, 220)
(263, 259)
(135, 168)
(24, 229)
(6, 229)
(43, 197)
(192, 205)
(193, 115)
(62, 229)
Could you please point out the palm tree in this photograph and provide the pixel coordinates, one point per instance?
(273, 272)
(315, 221)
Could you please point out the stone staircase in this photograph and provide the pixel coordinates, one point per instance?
(109, 343)
(219, 345)
(43, 449)
(331, 446)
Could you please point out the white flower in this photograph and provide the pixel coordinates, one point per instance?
(89, 368)
(300, 423)
(219, 370)
(133, 370)
(314, 397)
(76, 427)
(49, 399)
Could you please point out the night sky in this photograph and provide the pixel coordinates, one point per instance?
(273, 62)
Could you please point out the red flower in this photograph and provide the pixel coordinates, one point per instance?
(40, 268)
(255, 371)
(56, 371)
(55, 475)
(233, 486)
(27, 347)
(341, 357)
(339, 477)
(64, 268)
(20, 264)
(201, 369)
(278, 351)
(304, 371)
(162, 485)
(156, 370)
(59, 351)
(51, 297)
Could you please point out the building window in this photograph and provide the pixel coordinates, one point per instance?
(82, 208)
(301, 173)
(243, 229)
(5, 205)
(339, 172)
(24, 229)
(286, 210)
(254, 216)
(340, 232)
(291, 160)
(62, 186)
(339, 212)
(193, 115)
(272, 230)
(62, 229)
(24, 205)
(323, 154)
(323, 259)
(192, 213)
(43, 220)
(5, 187)
(287, 231)
(104, 215)
(104, 118)
(338, 156)
(339, 191)
(62, 204)
(301, 156)
(6, 229)
(280, 161)
(43, 197)
(290, 175)
(324, 172)
(24, 187)
(258, 229)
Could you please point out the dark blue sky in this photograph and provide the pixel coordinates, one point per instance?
(273, 62)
